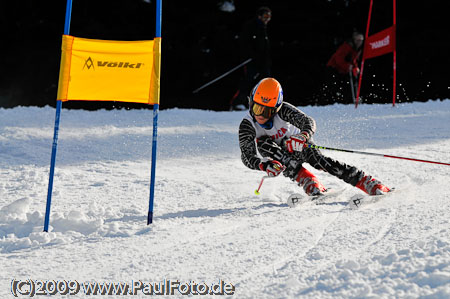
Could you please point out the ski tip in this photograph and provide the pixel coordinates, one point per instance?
(295, 200)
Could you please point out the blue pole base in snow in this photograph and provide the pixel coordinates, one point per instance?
(149, 218)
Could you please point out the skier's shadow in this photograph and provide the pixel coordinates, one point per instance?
(285, 205)
(199, 213)
(271, 205)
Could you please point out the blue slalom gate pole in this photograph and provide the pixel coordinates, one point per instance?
(55, 134)
(153, 169)
(155, 127)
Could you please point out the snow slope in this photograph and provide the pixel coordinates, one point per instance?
(208, 225)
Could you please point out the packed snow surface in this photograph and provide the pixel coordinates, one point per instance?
(209, 227)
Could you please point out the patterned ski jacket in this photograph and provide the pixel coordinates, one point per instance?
(287, 122)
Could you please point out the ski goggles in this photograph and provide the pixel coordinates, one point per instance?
(260, 110)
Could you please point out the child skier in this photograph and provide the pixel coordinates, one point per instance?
(281, 132)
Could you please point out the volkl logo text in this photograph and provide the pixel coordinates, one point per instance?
(119, 64)
(89, 63)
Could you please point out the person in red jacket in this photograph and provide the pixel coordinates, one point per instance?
(337, 86)
(345, 59)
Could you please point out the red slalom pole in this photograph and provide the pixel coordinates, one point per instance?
(260, 184)
(394, 87)
(373, 154)
(363, 58)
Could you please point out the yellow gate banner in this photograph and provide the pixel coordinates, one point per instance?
(103, 70)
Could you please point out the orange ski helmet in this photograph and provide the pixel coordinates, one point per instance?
(266, 98)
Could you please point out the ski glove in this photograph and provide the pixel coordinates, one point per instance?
(268, 148)
(297, 142)
(272, 167)
(354, 70)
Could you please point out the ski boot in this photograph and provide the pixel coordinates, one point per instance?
(310, 183)
(372, 186)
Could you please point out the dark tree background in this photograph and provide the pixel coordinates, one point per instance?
(200, 43)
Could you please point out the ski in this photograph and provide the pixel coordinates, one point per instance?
(359, 200)
(356, 201)
(297, 199)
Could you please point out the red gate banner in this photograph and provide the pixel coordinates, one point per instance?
(380, 43)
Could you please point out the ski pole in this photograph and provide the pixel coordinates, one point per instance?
(260, 184)
(221, 76)
(351, 86)
(373, 154)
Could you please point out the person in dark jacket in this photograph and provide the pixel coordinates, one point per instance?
(254, 44)
(273, 138)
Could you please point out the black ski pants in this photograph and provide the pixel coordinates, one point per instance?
(293, 162)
